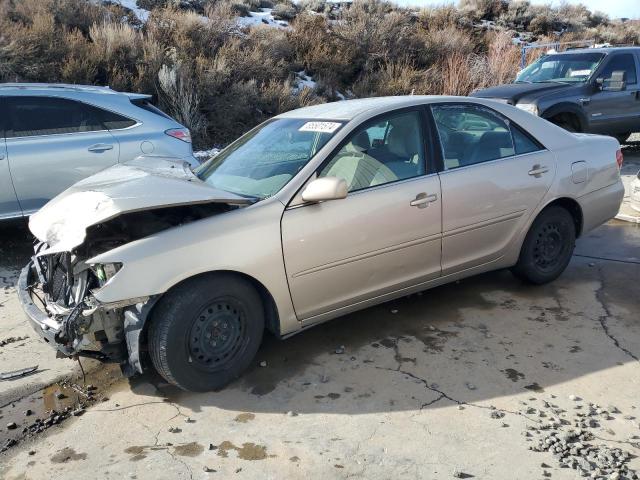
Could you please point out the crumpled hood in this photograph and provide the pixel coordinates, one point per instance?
(141, 184)
(515, 91)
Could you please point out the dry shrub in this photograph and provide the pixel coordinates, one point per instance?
(502, 59)
(180, 96)
(394, 78)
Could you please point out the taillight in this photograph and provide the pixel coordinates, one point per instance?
(619, 158)
(180, 133)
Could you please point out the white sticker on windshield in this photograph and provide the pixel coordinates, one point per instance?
(322, 127)
(580, 73)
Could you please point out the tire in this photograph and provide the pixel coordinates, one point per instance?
(547, 248)
(622, 137)
(206, 331)
(568, 126)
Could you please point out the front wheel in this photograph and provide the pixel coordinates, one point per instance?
(547, 248)
(206, 331)
(622, 137)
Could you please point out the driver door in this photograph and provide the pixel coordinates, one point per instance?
(615, 111)
(384, 237)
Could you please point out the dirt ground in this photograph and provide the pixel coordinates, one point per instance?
(467, 380)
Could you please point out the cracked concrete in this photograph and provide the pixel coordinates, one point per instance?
(412, 395)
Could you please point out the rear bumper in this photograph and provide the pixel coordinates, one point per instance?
(43, 325)
(601, 205)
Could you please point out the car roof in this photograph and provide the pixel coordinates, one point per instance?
(605, 50)
(67, 87)
(350, 109)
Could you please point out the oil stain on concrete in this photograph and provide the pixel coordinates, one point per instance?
(248, 451)
(244, 417)
(192, 449)
(67, 454)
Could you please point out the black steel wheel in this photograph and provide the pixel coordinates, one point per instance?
(206, 331)
(217, 334)
(548, 246)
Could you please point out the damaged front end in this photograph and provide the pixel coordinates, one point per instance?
(115, 207)
(57, 287)
(56, 292)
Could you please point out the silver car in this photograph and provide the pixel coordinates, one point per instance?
(51, 136)
(313, 214)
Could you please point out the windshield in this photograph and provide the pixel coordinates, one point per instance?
(566, 68)
(263, 161)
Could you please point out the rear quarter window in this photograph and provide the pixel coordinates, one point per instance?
(149, 107)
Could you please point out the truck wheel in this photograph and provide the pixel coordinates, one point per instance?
(622, 137)
(206, 331)
(547, 248)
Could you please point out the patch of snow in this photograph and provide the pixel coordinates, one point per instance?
(141, 13)
(204, 155)
(263, 17)
(304, 81)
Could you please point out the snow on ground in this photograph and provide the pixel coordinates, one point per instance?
(141, 13)
(263, 17)
(304, 81)
(204, 155)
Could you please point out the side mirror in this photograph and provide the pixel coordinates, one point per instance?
(325, 188)
(614, 84)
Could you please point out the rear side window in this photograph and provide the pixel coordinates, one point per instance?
(471, 134)
(149, 107)
(522, 142)
(113, 121)
(623, 62)
(32, 116)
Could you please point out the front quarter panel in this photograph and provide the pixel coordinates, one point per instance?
(246, 240)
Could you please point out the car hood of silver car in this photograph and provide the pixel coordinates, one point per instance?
(141, 184)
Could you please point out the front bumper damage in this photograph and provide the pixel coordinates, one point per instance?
(64, 312)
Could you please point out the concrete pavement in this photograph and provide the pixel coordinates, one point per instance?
(452, 381)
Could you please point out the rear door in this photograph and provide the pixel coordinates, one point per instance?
(9, 207)
(51, 144)
(493, 177)
(616, 111)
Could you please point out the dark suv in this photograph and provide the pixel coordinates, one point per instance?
(593, 90)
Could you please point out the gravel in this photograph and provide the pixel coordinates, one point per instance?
(570, 436)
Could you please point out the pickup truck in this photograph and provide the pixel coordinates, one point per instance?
(591, 90)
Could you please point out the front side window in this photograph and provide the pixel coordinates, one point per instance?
(621, 63)
(263, 160)
(33, 116)
(386, 150)
(565, 68)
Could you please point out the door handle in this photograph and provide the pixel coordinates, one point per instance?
(538, 170)
(423, 200)
(1, 156)
(100, 147)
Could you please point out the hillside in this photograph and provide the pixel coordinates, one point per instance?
(221, 66)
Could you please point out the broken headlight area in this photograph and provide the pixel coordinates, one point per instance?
(61, 284)
(83, 326)
(105, 271)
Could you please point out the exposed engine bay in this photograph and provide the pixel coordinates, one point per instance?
(63, 282)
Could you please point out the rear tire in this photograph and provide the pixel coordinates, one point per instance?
(206, 331)
(622, 137)
(547, 248)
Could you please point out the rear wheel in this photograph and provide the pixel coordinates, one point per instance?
(622, 137)
(205, 332)
(548, 247)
